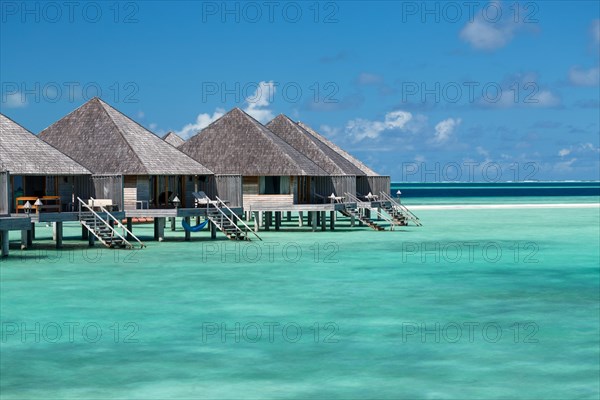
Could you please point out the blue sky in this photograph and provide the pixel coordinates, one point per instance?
(419, 91)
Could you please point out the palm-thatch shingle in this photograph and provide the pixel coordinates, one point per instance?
(309, 145)
(173, 139)
(23, 153)
(238, 144)
(107, 142)
(358, 164)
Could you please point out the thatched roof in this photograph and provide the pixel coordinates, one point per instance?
(23, 153)
(309, 145)
(173, 139)
(107, 142)
(238, 144)
(366, 170)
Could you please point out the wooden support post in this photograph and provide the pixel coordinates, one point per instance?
(332, 220)
(32, 232)
(24, 239)
(172, 223)
(277, 220)
(313, 215)
(289, 216)
(260, 218)
(58, 234)
(267, 220)
(318, 218)
(155, 228)
(323, 220)
(352, 220)
(300, 218)
(256, 219)
(161, 228)
(188, 234)
(213, 231)
(54, 231)
(197, 220)
(5, 242)
(129, 228)
(91, 240)
(84, 233)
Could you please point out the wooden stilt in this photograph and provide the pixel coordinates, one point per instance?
(32, 232)
(213, 231)
(289, 216)
(58, 234)
(24, 239)
(300, 218)
(352, 220)
(84, 233)
(313, 215)
(332, 220)
(129, 227)
(267, 220)
(323, 220)
(256, 220)
(172, 224)
(91, 240)
(161, 228)
(188, 234)
(5, 241)
(277, 220)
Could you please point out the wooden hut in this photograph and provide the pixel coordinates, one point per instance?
(238, 144)
(35, 170)
(173, 139)
(367, 182)
(130, 165)
(341, 178)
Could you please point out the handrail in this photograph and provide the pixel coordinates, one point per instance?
(402, 207)
(222, 215)
(120, 225)
(238, 218)
(385, 217)
(81, 202)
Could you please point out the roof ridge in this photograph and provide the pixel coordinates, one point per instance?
(319, 149)
(359, 164)
(272, 135)
(103, 104)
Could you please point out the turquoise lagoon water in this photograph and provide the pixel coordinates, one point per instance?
(476, 304)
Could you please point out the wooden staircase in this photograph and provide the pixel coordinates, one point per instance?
(226, 220)
(353, 212)
(398, 211)
(103, 229)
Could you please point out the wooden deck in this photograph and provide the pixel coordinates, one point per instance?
(15, 223)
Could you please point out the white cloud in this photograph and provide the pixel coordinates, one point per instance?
(202, 121)
(255, 106)
(444, 129)
(360, 129)
(580, 148)
(517, 91)
(262, 98)
(140, 114)
(153, 126)
(546, 98)
(584, 77)
(14, 100)
(496, 27)
(329, 131)
(484, 35)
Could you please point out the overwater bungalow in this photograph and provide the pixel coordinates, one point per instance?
(173, 139)
(341, 173)
(273, 171)
(34, 171)
(130, 165)
(368, 181)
